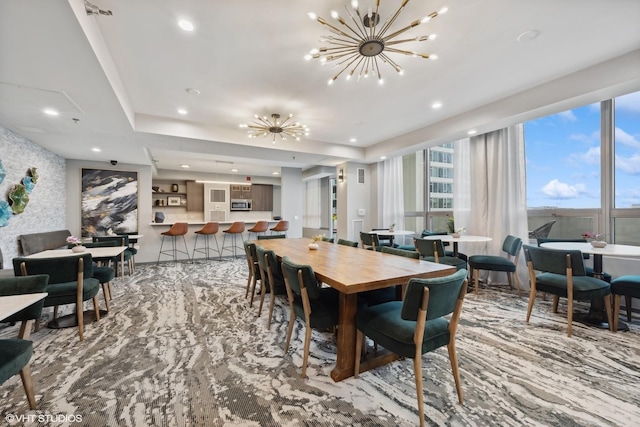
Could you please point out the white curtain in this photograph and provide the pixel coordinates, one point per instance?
(312, 209)
(494, 201)
(392, 193)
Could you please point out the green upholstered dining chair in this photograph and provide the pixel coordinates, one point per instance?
(271, 236)
(605, 276)
(433, 250)
(417, 325)
(346, 242)
(102, 270)
(71, 281)
(562, 274)
(308, 300)
(272, 280)
(24, 285)
(511, 246)
(400, 252)
(121, 240)
(629, 286)
(15, 355)
(370, 241)
(328, 239)
(254, 270)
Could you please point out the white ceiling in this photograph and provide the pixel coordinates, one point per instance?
(124, 77)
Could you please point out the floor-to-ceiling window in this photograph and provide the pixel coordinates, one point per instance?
(583, 170)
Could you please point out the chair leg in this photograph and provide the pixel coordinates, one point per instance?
(453, 358)
(272, 299)
(417, 368)
(515, 279)
(160, 252)
(556, 300)
(253, 290)
(570, 314)
(475, 276)
(607, 308)
(532, 298)
(105, 293)
(25, 329)
(25, 376)
(359, 340)
(96, 307)
(307, 344)
(263, 290)
(246, 294)
(616, 311)
(80, 317)
(627, 303)
(292, 319)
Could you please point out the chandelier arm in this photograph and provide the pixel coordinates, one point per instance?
(391, 20)
(372, 29)
(342, 21)
(414, 39)
(353, 58)
(322, 21)
(391, 62)
(401, 30)
(409, 53)
(357, 22)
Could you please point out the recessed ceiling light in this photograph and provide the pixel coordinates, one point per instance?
(185, 166)
(383, 157)
(182, 111)
(51, 112)
(96, 149)
(275, 173)
(234, 170)
(436, 105)
(472, 132)
(352, 140)
(185, 25)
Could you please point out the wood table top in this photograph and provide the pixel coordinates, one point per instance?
(352, 270)
(14, 303)
(99, 252)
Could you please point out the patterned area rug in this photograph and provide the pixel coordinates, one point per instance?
(181, 348)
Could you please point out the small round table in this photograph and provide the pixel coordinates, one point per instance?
(464, 238)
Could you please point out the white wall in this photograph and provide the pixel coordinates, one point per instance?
(292, 202)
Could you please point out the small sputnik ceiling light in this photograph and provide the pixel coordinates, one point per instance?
(361, 41)
(92, 9)
(273, 126)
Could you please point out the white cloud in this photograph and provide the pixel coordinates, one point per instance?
(626, 139)
(555, 189)
(630, 165)
(591, 157)
(567, 116)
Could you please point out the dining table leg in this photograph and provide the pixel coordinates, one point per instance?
(346, 345)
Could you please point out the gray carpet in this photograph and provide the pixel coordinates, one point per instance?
(181, 348)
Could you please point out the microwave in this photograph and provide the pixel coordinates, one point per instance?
(240, 204)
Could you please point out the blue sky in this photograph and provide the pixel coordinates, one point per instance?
(563, 157)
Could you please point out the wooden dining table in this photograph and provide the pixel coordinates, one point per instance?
(350, 271)
(12, 304)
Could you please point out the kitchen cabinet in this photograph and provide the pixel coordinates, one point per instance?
(262, 197)
(195, 196)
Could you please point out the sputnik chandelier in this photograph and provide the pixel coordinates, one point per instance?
(358, 46)
(273, 126)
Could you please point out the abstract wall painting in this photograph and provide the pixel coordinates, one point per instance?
(109, 202)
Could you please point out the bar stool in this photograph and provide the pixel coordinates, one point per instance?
(177, 229)
(235, 229)
(210, 228)
(281, 227)
(260, 227)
